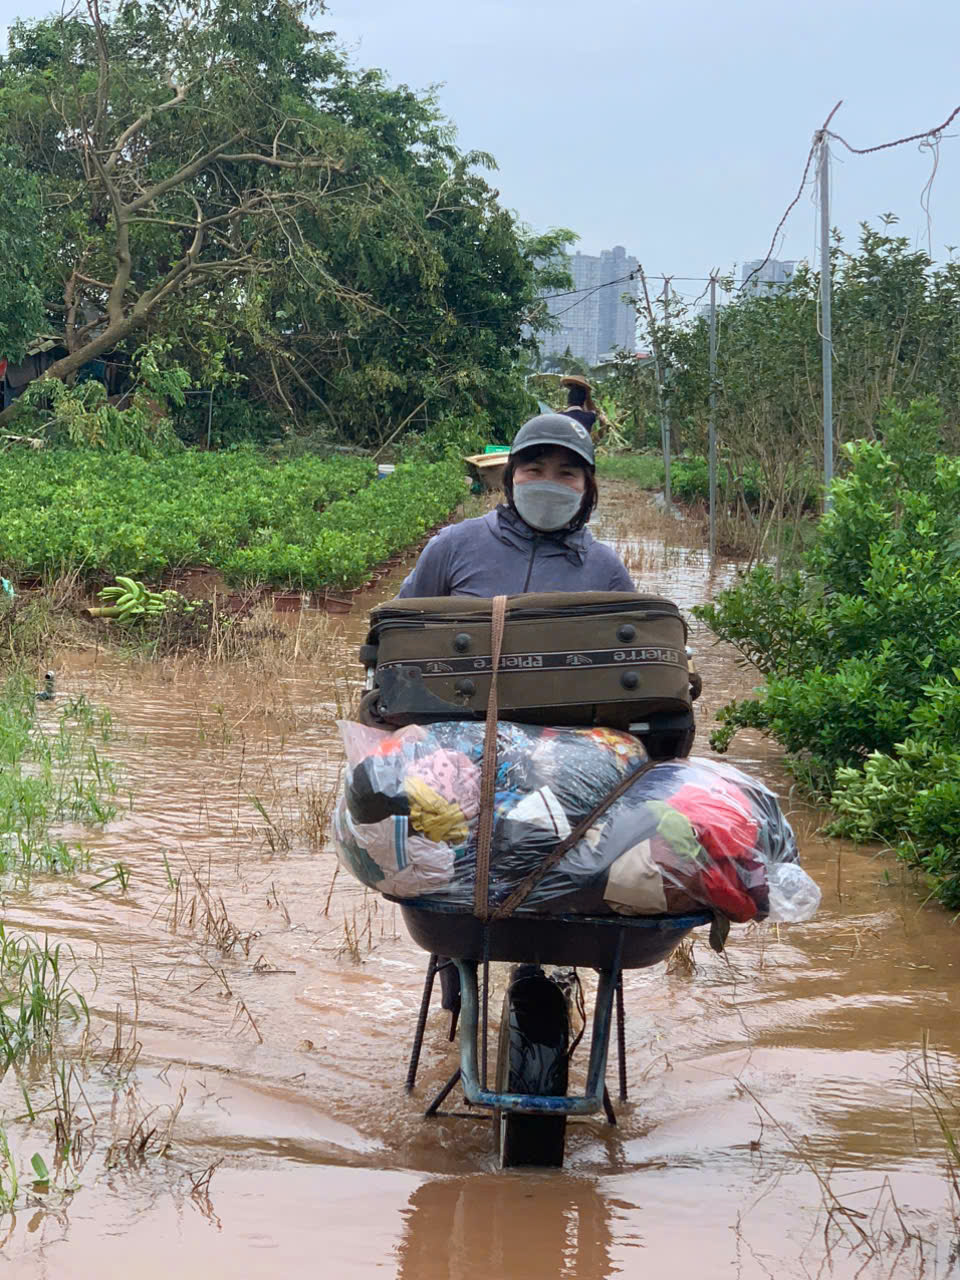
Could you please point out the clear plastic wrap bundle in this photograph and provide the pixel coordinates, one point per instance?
(690, 834)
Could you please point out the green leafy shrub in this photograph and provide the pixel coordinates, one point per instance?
(861, 649)
(450, 438)
(81, 414)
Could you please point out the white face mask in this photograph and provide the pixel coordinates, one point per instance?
(546, 506)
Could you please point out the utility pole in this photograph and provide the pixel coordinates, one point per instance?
(665, 408)
(826, 318)
(658, 370)
(711, 424)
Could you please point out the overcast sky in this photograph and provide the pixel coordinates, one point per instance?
(679, 129)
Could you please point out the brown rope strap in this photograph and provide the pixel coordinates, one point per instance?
(529, 882)
(488, 772)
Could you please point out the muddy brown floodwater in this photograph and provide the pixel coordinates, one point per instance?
(776, 1126)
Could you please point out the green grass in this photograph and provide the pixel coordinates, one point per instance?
(643, 469)
(51, 771)
(37, 999)
(9, 1179)
(36, 996)
(688, 476)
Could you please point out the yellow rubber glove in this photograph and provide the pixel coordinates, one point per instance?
(434, 817)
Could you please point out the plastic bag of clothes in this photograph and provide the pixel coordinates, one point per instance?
(690, 834)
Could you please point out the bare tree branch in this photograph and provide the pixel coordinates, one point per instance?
(302, 162)
(182, 175)
(311, 391)
(103, 67)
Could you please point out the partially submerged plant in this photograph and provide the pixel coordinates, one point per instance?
(926, 1074)
(35, 995)
(194, 907)
(141, 1132)
(9, 1181)
(49, 774)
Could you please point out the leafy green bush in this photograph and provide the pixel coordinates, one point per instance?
(449, 438)
(690, 479)
(861, 649)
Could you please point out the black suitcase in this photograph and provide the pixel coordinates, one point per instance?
(616, 659)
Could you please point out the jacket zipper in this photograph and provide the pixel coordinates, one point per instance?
(533, 553)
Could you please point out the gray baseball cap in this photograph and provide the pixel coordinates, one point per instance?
(558, 430)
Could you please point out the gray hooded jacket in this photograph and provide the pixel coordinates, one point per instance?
(499, 554)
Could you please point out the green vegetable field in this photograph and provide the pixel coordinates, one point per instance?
(309, 522)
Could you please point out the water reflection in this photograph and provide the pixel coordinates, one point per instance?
(528, 1225)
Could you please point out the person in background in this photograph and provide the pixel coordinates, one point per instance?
(580, 405)
(537, 539)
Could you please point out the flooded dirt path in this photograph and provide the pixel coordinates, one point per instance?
(268, 1008)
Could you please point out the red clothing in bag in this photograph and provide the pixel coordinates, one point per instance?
(722, 819)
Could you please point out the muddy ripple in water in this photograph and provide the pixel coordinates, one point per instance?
(751, 1077)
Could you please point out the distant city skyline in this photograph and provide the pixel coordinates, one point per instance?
(761, 275)
(595, 320)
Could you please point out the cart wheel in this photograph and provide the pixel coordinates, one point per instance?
(532, 1058)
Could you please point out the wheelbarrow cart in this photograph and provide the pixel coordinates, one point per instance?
(529, 1100)
(615, 659)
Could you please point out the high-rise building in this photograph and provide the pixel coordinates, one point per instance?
(770, 275)
(594, 320)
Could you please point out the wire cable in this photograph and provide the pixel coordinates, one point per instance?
(589, 293)
(569, 292)
(898, 142)
(931, 144)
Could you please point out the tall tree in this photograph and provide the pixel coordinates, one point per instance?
(215, 171)
(21, 300)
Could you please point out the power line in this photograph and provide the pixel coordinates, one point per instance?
(825, 132)
(570, 292)
(898, 142)
(822, 132)
(589, 293)
(931, 136)
(547, 297)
